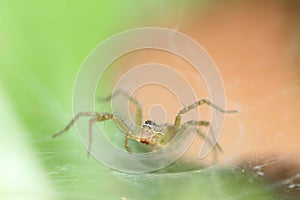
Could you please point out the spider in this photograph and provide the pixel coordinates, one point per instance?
(148, 133)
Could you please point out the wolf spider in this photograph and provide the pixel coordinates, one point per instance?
(149, 132)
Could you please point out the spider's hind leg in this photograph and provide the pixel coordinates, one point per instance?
(200, 134)
(211, 141)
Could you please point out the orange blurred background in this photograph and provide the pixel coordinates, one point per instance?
(256, 45)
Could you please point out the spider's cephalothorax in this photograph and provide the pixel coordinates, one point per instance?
(149, 124)
(148, 133)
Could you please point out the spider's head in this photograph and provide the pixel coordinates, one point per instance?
(151, 133)
(149, 124)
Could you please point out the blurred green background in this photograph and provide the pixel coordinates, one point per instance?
(42, 45)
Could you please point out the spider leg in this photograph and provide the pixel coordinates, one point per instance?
(154, 152)
(91, 122)
(187, 124)
(79, 115)
(154, 140)
(139, 111)
(195, 105)
(128, 132)
(98, 117)
(128, 149)
(122, 126)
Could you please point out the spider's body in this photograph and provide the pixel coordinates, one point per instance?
(148, 133)
(151, 133)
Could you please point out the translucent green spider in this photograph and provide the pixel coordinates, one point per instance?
(148, 133)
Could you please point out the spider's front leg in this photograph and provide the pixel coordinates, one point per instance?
(98, 117)
(195, 105)
(139, 110)
(79, 115)
(122, 126)
(128, 132)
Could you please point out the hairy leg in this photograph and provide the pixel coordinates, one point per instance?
(79, 115)
(139, 111)
(98, 117)
(195, 123)
(195, 105)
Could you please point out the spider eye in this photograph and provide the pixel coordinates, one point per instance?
(149, 122)
(147, 125)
